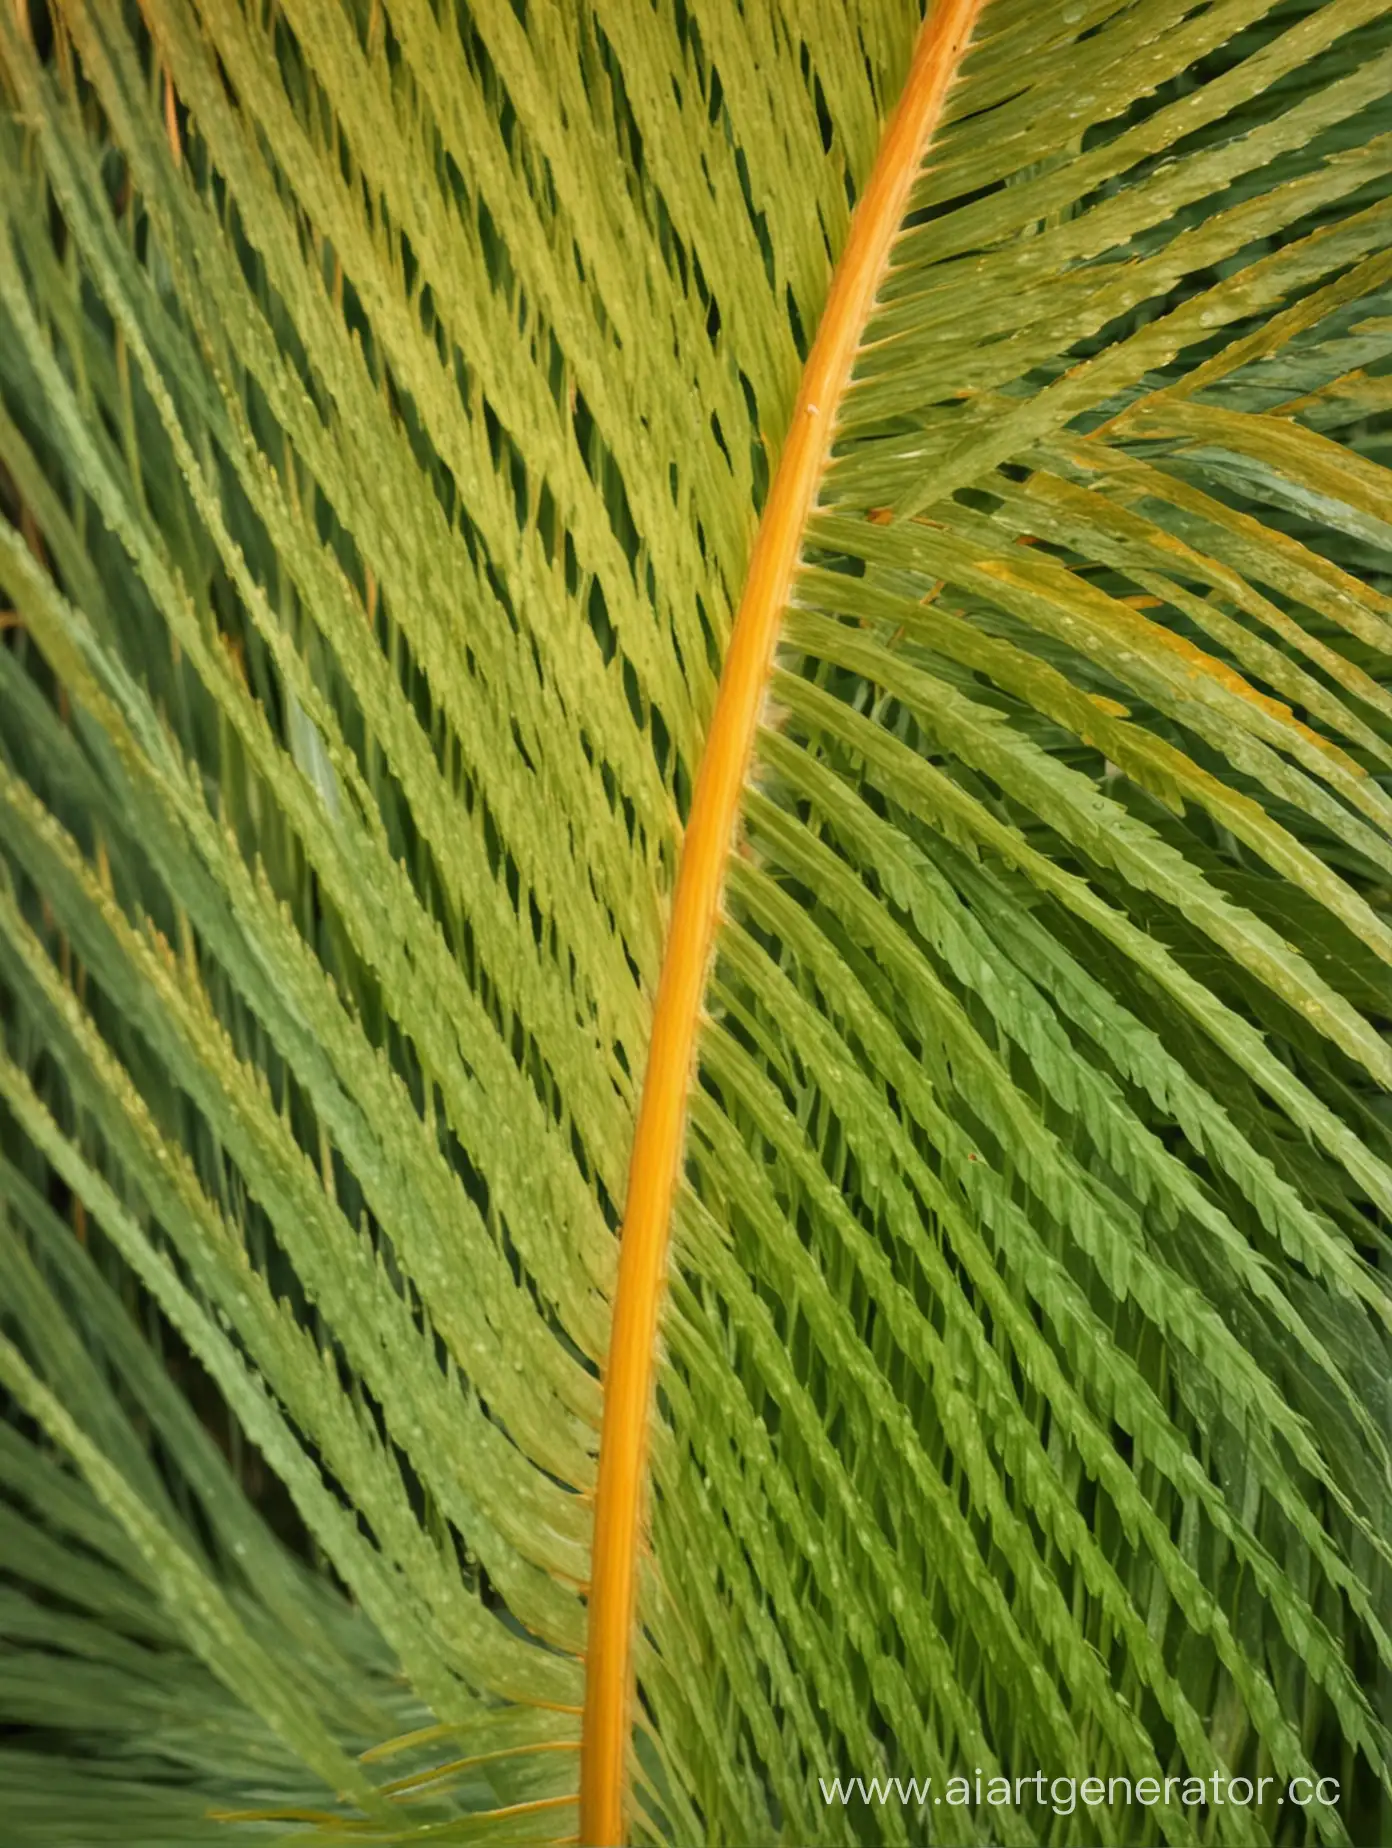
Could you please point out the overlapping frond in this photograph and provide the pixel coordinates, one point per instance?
(361, 652)
(388, 394)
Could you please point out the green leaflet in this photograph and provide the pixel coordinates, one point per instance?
(201, 1612)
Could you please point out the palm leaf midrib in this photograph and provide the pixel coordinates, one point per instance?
(655, 1157)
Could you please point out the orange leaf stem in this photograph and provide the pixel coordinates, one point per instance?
(657, 1146)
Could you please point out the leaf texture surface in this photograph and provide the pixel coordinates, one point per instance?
(695, 919)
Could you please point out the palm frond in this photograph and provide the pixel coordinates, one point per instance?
(390, 395)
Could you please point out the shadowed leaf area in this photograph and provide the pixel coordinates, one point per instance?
(389, 394)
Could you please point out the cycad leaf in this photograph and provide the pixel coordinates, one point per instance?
(696, 921)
